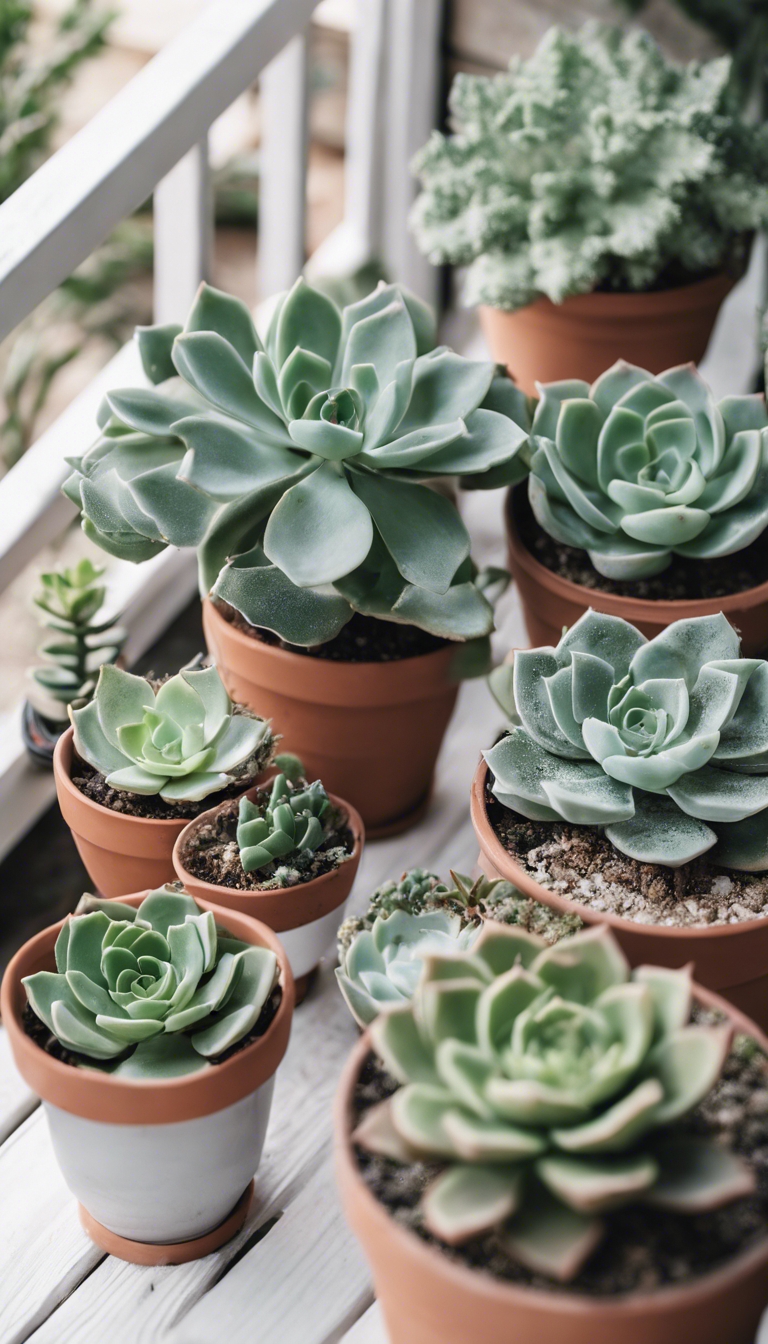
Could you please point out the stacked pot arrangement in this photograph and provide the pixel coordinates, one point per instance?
(603, 199)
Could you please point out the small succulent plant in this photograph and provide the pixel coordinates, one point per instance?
(160, 981)
(182, 742)
(596, 163)
(662, 742)
(639, 468)
(297, 467)
(70, 600)
(290, 822)
(552, 1083)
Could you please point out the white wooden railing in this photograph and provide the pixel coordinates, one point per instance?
(151, 139)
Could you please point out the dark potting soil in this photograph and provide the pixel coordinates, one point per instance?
(643, 1248)
(211, 854)
(364, 639)
(580, 864)
(41, 1036)
(94, 786)
(682, 580)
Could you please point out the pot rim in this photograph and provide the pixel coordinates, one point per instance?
(505, 864)
(102, 1097)
(632, 609)
(509, 1295)
(291, 904)
(655, 302)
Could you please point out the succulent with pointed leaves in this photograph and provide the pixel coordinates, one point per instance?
(70, 600)
(552, 1083)
(288, 823)
(160, 981)
(297, 467)
(183, 742)
(662, 742)
(639, 468)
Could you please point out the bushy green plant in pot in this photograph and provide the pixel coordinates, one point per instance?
(141, 759)
(632, 787)
(152, 1028)
(340, 596)
(602, 198)
(537, 1146)
(646, 499)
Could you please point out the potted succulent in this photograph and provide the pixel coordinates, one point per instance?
(340, 599)
(646, 499)
(632, 788)
(70, 600)
(140, 760)
(152, 1029)
(286, 853)
(601, 197)
(381, 952)
(538, 1147)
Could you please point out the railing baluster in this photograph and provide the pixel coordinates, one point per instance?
(283, 168)
(183, 217)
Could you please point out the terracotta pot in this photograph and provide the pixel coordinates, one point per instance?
(163, 1171)
(427, 1298)
(122, 853)
(585, 335)
(306, 917)
(370, 731)
(729, 958)
(549, 602)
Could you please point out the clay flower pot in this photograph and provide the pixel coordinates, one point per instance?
(586, 334)
(122, 853)
(162, 1171)
(306, 917)
(370, 731)
(428, 1298)
(729, 958)
(549, 602)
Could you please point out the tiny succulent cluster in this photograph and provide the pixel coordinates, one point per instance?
(639, 468)
(70, 600)
(662, 742)
(160, 981)
(287, 824)
(182, 742)
(595, 163)
(297, 466)
(551, 1082)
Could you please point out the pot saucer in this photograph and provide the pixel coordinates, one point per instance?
(175, 1253)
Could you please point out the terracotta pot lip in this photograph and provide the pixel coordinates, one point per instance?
(633, 609)
(602, 305)
(105, 1098)
(512, 872)
(326, 891)
(510, 1295)
(62, 768)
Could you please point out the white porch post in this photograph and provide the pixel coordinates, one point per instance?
(283, 168)
(183, 217)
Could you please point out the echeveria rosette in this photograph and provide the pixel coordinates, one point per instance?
(289, 822)
(182, 742)
(297, 466)
(662, 742)
(552, 1083)
(639, 468)
(160, 981)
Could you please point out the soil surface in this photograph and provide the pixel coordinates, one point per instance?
(212, 855)
(643, 1249)
(682, 580)
(579, 863)
(364, 639)
(95, 787)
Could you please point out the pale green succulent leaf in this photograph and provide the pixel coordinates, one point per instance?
(385, 339)
(212, 366)
(407, 517)
(719, 795)
(213, 310)
(151, 411)
(660, 832)
(418, 1110)
(333, 525)
(687, 1062)
(551, 1239)
(617, 1128)
(596, 1186)
(308, 319)
(256, 979)
(477, 1140)
(460, 613)
(163, 1056)
(697, 1175)
(226, 458)
(468, 1200)
(155, 344)
(268, 599)
(445, 387)
(671, 992)
(399, 1044)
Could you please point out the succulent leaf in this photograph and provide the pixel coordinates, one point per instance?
(69, 601)
(287, 823)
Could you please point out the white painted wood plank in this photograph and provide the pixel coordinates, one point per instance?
(16, 1100)
(70, 205)
(369, 1329)
(283, 168)
(183, 232)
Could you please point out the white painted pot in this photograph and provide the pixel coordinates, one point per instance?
(306, 944)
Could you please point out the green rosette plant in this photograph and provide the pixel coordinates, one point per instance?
(552, 1084)
(159, 988)
(70, 600)
(595, 164)
(639, 468)
(289, 822)
(182, 742)
(661, 742)
(297, 466)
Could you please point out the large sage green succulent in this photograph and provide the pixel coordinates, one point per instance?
(663, 742)
(160, 981)
(637, 469)
(287, 823)
(296, 466)
(551, 1082)
(70, 600)
(183, 742)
